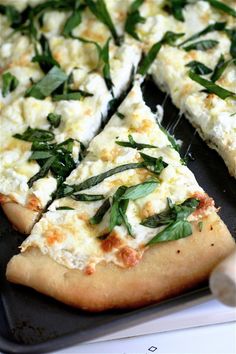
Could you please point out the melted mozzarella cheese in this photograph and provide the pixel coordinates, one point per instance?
(68, 237)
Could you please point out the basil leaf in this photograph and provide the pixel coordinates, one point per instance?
(10, 83)
(199, 68)
(120, 115)
(54, 120)
(212, 87)
(154, 164)
(133, 18)
(73, 21)
(176, 7)
(164, 218)
(134, 145)
(201, 45)
(220, 68)
(44, 58)
(122, 208)
(40, 155)
(171, 37)
(97, 218)
(100, 11)
(200, 226)
(13, 16)
(140, 190)
(73, 95)
(174, 213)
(35, 135)
(106, 67)
(217, 26)
(88, 197)
(168, 38)
(175, 231)
(147, 61)
(93, 181)
(232, 36)
(222, 7)
(171, 139)
(43, 171)
(47, 84)
(64, 208)
(115, 217)
(64, 190)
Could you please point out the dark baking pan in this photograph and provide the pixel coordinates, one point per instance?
(33, 323)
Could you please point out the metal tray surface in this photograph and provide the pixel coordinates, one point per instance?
(33, 323)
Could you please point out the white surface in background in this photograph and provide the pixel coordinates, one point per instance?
(219, 338)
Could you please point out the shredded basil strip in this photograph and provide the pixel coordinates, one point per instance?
(219, 5)
(168, 38)
(217, 26)
(212, 87)
(178, 229)
(153, 164)
(54, 120)
(73, 20)
(220, 67)
(176, 220)
(64, 208)
(176, 8)
(44, 58)
(33, 135)
(88, 197)
(149, 58)
(199, 68)
(99, 9)
(120, 115)
(71, 95)
(133, 18)
(13, 16)
(121, 199)
(97, 218)
(93, 181)
(106, 67)
(49, 83)
(10, 83)
(134, 145)
(174, 212)
(201, 45)
(232, 36)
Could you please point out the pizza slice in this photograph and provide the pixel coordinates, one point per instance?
(196, 66)
(56, 90)
(129, 227)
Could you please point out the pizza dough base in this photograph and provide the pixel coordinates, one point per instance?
(21, 218)
(165, 270)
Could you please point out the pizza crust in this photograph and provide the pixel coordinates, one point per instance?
(165, 270)
(22, 218)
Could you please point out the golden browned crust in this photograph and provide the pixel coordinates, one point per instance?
(166, 270)
(22, 219)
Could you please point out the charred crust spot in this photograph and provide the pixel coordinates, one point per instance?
(89, 269)
(211, 227)
(129, 256)
(110, 242)
(212, 244)
(178, 251)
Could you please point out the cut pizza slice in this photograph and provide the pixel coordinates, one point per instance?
(196, 65)
(131, 226)
(55, 95)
